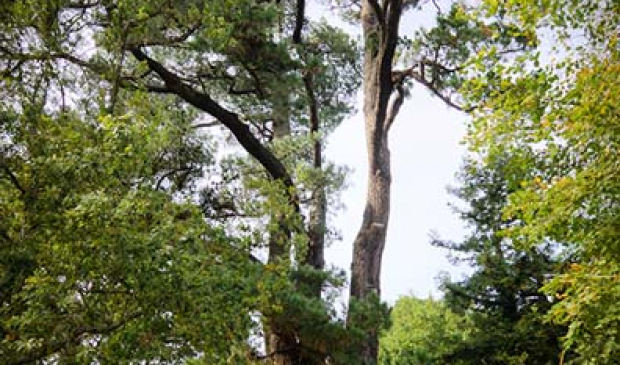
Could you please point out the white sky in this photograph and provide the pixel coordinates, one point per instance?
(426, 153)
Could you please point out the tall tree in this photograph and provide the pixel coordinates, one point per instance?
(436, 59)
(502, 297)
(276, 82)
(568, 108)
(103, 258)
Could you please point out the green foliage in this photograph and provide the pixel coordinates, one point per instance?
(130, 213)
(366, 318)
(575, 205)
(99, 261)
(502, 296)
(448, 50)
(566, 109)
(112, 250)
(423, 331)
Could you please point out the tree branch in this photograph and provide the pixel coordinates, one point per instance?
(378, 11)
(229, 119)
(394, 107)
(13, 179)
(393, 12)
(399, 76)
(165, 42)
(206, 125)
(24, 57)
(299, 21)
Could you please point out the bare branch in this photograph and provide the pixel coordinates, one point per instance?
(398, 77)
(396, 102)
(229, 119)
(232, 91)
(157, 89)
(206, 125)
(299, 21)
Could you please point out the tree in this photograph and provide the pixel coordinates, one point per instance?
(103, 258)
(423, 331)
(437, 59)
(568, 109)
(502, 297)
(276, 83)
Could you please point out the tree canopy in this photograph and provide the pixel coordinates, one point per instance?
(423, 331)
(542, 189)
(131, 235)
(165, 197)
(566, 110)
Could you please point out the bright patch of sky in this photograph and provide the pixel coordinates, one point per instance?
(426, 154)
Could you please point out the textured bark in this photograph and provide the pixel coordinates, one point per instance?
(318, 210)
(380, 31)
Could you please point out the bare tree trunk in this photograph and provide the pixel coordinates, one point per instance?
(380, 27)
(370, 240)
(318, 209)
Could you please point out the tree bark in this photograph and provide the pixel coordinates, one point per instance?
(318, 209)
(380, 33)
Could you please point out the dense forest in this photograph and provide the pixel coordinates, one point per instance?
(165, 195)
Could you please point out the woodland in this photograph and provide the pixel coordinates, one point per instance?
(165, 195)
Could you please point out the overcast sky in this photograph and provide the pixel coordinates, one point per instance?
(426, 153)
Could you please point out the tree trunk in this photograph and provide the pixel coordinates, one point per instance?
(370, 240)
(318, 208)
(380, 30)
(282, 346)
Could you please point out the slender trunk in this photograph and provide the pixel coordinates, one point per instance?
(318, 209)
(316, 231)
(282, 346)
(370, 241)
(380, 27)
